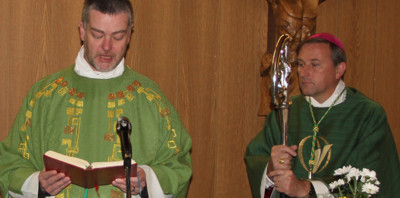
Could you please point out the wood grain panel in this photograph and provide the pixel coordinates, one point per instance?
(197, 82)
(327, 19)
(238, 88)
(27, 33)
(155, 44)
(387, 71)
(25, 48)
(5, 77)
(364, 28)
(357, 32)
(64, 42)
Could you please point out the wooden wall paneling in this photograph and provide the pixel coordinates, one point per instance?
(197, 83)
(238, 93)
(36, 31)
(387, 71)
(365, 29)
(25, 49)
(155, 45)
(64, 39)
(42, 31)
(327, 19)
(357, 32)
(5, 76)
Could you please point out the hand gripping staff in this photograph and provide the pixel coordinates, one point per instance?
(281, 70)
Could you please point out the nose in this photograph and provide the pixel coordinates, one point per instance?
(303, 71)
(107, 44)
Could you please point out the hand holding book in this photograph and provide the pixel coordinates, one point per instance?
(83, 173)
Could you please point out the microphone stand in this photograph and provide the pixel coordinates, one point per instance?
(124, 129)
(127, 167)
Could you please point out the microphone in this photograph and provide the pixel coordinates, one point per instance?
(124, 129)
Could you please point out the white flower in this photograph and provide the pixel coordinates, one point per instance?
(353, 173)
(336, 184)
(367, 175)
(352, 179)
(342, 171)
(370, 188)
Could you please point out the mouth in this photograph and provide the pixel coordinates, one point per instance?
(105, 58)
(305, 82)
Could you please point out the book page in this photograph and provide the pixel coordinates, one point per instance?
(67, 159)
(109, 164)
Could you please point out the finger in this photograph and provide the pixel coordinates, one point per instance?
(56, 178)
(281, 152)
(135, 187)
(135, 190)
(290, 150)
(121, 184)
(285, 162)
(135, 181)
(59, 186)
(48, 183)
(274, 174)
(46, 174)
(278, 173)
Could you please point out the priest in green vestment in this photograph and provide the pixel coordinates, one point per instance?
(74, 112)
(330, 126)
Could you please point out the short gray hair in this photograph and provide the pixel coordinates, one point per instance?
(107, 7)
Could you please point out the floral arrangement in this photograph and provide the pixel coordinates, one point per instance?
(355, 183)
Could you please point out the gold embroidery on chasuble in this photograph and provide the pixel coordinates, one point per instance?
(153, 96)
(323, 154)
(61, 195)
(73, 111)
(23, 147)
(115, 110)
(65, 192)
(46, 92)
(116, 194)
(115, 104)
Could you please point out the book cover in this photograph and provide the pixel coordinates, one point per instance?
(83, 173)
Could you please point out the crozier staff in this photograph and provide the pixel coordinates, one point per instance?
(74, 112)
(329, 116)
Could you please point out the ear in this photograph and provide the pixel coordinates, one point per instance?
(340, 69)
(130, 34)
(82, 31)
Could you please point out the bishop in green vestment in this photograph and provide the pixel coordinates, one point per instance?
(352, 129)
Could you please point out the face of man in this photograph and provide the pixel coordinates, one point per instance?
(318, 77)
(106, 38)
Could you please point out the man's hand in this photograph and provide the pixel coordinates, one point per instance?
(287, 182)
(121, 183)
(53, 182)
(280, 171)
(281, 157)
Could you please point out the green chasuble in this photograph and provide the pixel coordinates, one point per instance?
(357, 129)
(76, 116)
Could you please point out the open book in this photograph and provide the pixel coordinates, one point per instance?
(83, 173)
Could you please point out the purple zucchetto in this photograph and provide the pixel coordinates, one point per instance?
(330, 38)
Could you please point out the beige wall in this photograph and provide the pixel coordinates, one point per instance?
(207, 56)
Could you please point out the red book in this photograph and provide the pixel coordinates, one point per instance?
(83, 173)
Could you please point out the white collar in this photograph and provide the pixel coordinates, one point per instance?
(82, 68)
(339, 88)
